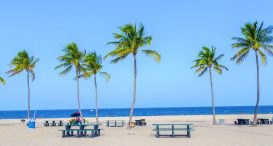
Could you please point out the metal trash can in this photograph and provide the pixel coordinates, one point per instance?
(31, 124)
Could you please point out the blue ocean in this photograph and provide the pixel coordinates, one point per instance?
(123, 112)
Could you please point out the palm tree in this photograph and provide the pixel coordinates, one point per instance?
(258, 39)
(91, 67)
(72, 57)
(206, 61)
(24, 62)
(2, 81)
(131, 40)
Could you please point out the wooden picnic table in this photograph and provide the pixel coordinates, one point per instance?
(114, 123)
(172, 127)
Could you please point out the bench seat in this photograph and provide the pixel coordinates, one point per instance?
(175, 129)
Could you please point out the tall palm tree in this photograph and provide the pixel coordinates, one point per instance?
(72, 57)
(131, 40)
(24, 62)
(205, 62)
(2, 81)
(258, 39)
(91, 67)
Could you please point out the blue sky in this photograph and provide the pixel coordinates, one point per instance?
(179, 30)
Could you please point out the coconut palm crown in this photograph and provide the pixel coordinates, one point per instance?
(92, 65)
(130, 41)
(205, 61)
(24, 62)
(258, 39)
(72, 57)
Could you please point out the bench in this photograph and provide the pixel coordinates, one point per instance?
(53, 123)
(172, 128)
(114, 123)
(242, 122)
(262, 121)
(81, 132)
(141, 122)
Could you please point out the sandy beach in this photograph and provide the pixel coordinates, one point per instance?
(15, 133)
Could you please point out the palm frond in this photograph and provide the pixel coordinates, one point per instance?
(223, 67)
(105, 75)
(203, 72)
(13, 72)
(66, 70)
(263, 57)
(2, 81)
(32, 75)
(217, 69)
(153, 54)
(241, 55)
(117, 59)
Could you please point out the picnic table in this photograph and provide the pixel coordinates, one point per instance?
(114, 123)
(81, 131)
(172, 128)
(263, 121)
(242, 122)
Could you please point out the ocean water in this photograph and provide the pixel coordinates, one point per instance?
(138, 112)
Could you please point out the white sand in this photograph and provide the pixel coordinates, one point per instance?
(14, 133)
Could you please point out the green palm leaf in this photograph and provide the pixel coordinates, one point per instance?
(2, 81)
(153, 54)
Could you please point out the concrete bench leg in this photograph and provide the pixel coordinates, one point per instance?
(63, 134)
(172, 130)
(92, 134)
(98, 132)
(188, 131)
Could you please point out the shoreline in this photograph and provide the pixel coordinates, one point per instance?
(160, 116)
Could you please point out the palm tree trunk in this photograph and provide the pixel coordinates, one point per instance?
(96, 91)
(258, 91)
(78, 93)
(134, 96)
(28, 102)
(212, 98)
